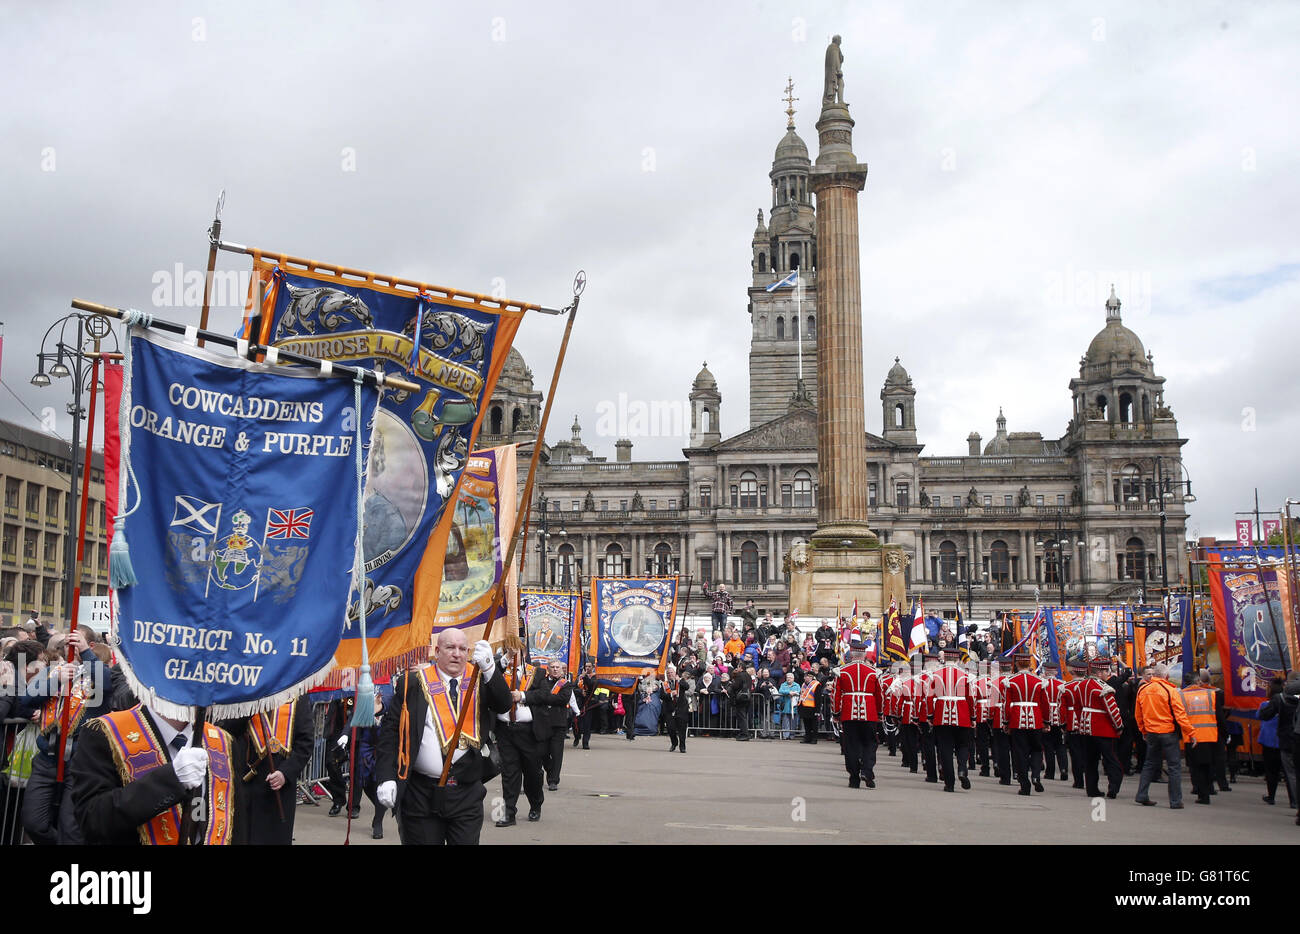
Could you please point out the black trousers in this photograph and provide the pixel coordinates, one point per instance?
(257, 820)
(741, 713)
(890, 737)
(1026, 755)
(949, 740)
(859, 743)
(1219, 763)
(521, 763)
(1002, 754)
(451, 816)
(1054, 753)
(677, 731)
(911, 744)
(1124, 747)
(809, 717)
(630, 700)
(927, 752)
(1074, 743)
(983, 739)
(1101, 748)
(582, 728)
(553, 755)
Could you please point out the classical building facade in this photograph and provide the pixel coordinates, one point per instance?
(1075, 517)
(36, 471)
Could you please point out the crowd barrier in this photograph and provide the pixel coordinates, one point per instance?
(720, 715)
(17, 746)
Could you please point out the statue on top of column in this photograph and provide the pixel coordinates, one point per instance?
(833, 92)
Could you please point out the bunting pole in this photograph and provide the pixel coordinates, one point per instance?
(498, 592)
(272, 354)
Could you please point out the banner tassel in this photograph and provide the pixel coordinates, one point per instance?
(121, 573)
(363, 710)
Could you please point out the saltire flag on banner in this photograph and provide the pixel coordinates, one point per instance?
(454, 348)
(1156, 642)
(484, 518)
(918, 635)
(245, 529)
(633, 624)
(1250, 622)
(552, 626)
(895, 646)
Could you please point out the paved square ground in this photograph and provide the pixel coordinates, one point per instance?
(782, 792)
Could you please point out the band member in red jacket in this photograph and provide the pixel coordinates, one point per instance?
(1027, 714)
(951, 711)
(983, 740)
(903, 700)
(858, 702)
(1068, 706)
(924, 688)
(1054, 738)
(998, 727)
(1100, 723)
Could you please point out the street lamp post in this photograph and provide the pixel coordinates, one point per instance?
(544, 535)
(970, 612)
(70, 358)
(1058, 544)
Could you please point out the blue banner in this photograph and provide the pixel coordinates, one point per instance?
(549, 619)
(634, 624)
(245, 530)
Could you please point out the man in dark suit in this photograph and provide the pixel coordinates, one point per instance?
(553, 707)
(521, 735)
(270, 751)
(415, 736)
(677, 701)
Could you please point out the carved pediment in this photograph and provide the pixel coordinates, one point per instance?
(793, 432)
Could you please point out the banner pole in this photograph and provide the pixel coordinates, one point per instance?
(498, 592)
(214, 236)
(1259, 573)
(87, 468)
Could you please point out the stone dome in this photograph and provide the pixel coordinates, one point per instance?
(704, 380)
(515, 373)
(897, 375)
(1115, 341)
(791, 147)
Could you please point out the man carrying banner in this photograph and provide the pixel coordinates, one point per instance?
(415, 738)
(858, 703)
(552, 707)
(521, 734)
(134, 773)
(270, 751)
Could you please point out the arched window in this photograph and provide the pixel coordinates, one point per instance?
(495, 420)
(899, 416)
(947, 562)
(749, 564)
(1135, 559)
(748, 490)
(663, 559)
(780, 328)
(811, 330)
(706, 421)
(1130, 484)
(613, 560)
(803, 488)
(1125, 407)
(794, 260)
(516, 419)
(1102, 404)
(999, 562)
(568, 570)
(794, 327)
(762, 262)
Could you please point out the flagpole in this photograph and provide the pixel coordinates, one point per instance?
(798, 320)
(498, 592)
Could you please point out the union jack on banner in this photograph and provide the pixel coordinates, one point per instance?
(289, 523)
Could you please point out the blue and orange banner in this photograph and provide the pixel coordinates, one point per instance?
(1250, 622)
(552, 626)
(632, 624)
(454, 348)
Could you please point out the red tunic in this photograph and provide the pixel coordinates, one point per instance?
(951, 701)
(1099, 715)
(857, 694)
(1069, 704)
(997, 691)
(887, 694)
(982, 690)
(1025, 704)
(1053, 686)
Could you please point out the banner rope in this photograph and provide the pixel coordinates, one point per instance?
(120, 572)
(363, 710)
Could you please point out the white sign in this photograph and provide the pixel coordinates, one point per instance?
(93, 613)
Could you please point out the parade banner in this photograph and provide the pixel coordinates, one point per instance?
(633, 624)
(243, 531)
(1079, 635)
(1157, 641)
(454, 349)
(1249, 623)
(484, 517)
(552, 626)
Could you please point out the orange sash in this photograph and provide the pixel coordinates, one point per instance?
(137, 751)
(52, 712)
(276, 735)
(444, 717)
(806, 693)
(530, 672)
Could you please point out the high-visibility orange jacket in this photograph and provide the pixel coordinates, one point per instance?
(1160, 709)
(1199, 702)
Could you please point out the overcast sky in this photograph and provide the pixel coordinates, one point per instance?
(1022, 157)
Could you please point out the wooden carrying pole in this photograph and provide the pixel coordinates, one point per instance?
(499, 590)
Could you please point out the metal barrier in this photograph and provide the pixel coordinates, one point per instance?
(16, 750)
(310, 787)
(730, 718)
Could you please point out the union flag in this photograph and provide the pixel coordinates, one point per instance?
(289, 523)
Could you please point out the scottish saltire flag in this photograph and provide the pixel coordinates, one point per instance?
(918, 635)
(453, 347)
(791, 280)
(552, 626)
(633, 622)
(245, 528)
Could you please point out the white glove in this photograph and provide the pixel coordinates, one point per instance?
(343, 741)
(387, 794)
(483, 658)
(190, 765)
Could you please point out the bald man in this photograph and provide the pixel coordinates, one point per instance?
(415, 737)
